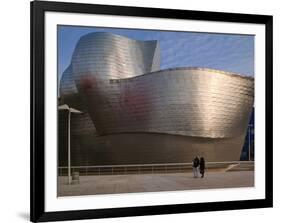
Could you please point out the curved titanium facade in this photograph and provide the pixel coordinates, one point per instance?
(67, 83)
(109, 56)
(118, 84)
(190, 102)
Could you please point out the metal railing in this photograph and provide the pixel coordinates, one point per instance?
(144, 168)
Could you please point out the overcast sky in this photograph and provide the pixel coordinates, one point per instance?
(233, 53)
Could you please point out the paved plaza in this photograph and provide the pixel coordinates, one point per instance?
(112, 184)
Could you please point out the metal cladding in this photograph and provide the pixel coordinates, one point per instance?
(190, 102)
(67, 84)
(124, 91)
(109, 56)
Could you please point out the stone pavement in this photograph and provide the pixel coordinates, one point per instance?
(111, 184)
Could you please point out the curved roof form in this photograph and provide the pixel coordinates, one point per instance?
(125, 92)
(112, 56)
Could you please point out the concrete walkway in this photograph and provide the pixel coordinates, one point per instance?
(110, 184)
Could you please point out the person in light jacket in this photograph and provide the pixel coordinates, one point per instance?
(195, 166)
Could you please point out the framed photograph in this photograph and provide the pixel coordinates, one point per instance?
(144, 111)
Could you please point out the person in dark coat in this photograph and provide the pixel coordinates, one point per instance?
(202, 166)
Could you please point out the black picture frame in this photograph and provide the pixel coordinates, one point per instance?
(37, 157)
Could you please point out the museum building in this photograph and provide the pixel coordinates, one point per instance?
(135, 113)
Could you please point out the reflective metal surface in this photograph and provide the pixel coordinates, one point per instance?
(118, 84)
(191, 102)
(109, 56)
(67, 84)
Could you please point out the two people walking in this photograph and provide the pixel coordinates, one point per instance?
(198, 165)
